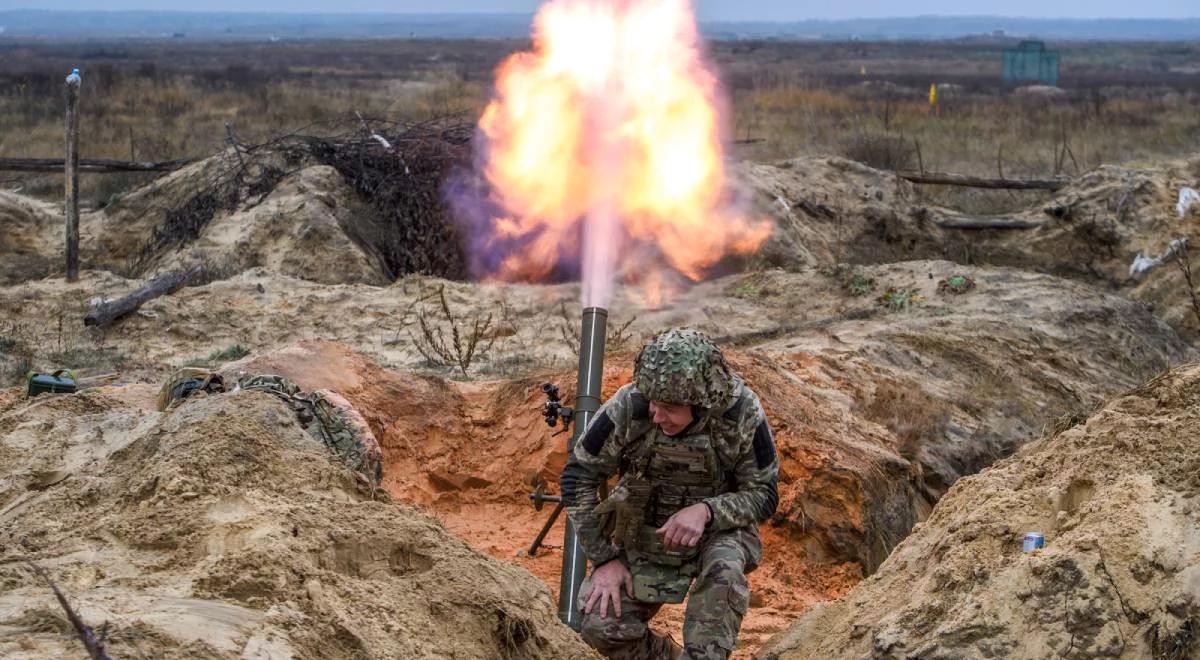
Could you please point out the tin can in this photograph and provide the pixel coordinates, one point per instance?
(1033, 541)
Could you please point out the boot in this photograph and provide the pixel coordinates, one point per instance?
(664, 647)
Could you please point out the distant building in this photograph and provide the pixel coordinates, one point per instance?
(1031, 62)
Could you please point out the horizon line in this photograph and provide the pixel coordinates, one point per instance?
(531, 14)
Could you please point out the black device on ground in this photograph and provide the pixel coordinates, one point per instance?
(59, 382)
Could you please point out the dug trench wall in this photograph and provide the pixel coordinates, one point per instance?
(876, 413)
(1116, 498)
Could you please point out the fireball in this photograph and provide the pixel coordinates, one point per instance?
(603, 147)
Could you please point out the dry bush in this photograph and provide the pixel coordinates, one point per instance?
(617, 336)
(466, 342)
(908, 412)
(408, 222)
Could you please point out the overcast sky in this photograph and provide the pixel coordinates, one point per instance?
(707, 9)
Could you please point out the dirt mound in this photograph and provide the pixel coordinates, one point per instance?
(25, 229)
(1115, 497)
(832, 211)
(284, 216)
(885, 384)
(876, 413)
(221, 529)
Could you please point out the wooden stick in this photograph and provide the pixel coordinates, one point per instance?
(966, 222)
(93, 644)
(91, 165)
(104, 314)
(946, 179)
(231, 140)
(71, 166)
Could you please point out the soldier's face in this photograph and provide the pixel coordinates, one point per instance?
(672, 418)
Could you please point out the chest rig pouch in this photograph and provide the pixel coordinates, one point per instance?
(667, 474)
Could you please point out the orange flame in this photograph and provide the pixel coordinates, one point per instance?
(610, 127)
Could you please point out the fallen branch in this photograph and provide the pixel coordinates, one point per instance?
(100, 165)
(966, 222)
(946, 179)
(105, 313)
(93, 644)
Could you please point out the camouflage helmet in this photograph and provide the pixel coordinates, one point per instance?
(682, 365)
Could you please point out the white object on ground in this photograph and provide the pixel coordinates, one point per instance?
(1187, 197)
(783, 203)
(382, 140)
(1143, 264)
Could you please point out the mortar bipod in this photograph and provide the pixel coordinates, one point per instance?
(540, 498)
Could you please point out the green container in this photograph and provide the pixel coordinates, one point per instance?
(59, 382)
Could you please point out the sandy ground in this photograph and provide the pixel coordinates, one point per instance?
(221, 529)
(1116, 499)
(879, 409)
(876, 410)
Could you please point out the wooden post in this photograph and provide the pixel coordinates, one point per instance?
(72, 176)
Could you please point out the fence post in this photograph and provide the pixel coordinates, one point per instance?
(71, 187)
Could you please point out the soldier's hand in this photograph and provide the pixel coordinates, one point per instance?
(685, 528)
(606, 585)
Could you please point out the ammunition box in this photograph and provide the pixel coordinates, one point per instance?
(59, 382)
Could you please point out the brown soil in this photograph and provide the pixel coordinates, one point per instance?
(221, 529)
(876, 410)
(884, 389)
(1115, 497)
(830, 210)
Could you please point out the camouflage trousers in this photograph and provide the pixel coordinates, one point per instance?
(715, 607)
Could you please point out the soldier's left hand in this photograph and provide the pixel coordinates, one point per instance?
(685, 528)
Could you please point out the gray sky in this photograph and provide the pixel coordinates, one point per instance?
(707, 9)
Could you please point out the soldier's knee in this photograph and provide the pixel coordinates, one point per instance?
(724, 573)
(611, 633)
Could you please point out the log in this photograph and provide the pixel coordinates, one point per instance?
(965, 222)
(94, 165)
(105, 313)
(946, 179)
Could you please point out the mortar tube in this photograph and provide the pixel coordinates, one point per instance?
(587, 402)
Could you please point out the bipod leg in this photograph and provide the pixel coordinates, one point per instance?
(537, 543)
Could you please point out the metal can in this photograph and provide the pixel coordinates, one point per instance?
(1033, 541)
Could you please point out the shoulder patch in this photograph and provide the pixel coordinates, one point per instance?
(639, 407)
(735, 411)
(597, 434)
(764, 445)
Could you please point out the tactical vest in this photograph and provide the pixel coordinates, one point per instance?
(662, 475)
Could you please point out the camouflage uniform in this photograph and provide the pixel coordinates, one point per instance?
(325, 414)
(332, 420)
(726, 459)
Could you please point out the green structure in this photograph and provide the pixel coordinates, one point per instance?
(1031, 62)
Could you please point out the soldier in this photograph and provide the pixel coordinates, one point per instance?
(698, 475)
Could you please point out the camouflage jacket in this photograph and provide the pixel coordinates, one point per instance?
(745, 448)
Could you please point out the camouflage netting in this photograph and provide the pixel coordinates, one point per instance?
(683, 365)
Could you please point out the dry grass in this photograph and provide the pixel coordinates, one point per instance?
(1123, 102)
(915, 417)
